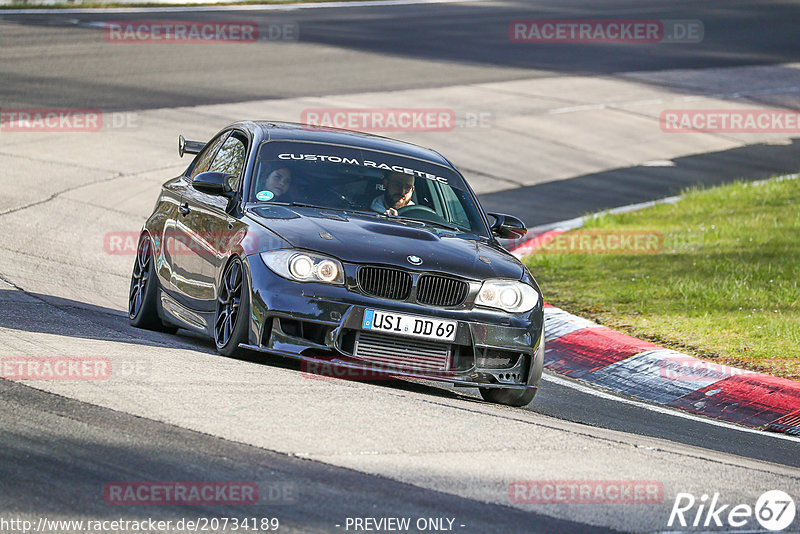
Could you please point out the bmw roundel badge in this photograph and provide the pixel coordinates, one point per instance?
(414, 260)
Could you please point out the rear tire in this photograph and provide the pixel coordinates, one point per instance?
(233, 310)
(143, 294)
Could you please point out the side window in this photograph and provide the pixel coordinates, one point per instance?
(454, 206)
(205, 157)
(230, 159)
(425, 197)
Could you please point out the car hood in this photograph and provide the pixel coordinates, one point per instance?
(357, 238)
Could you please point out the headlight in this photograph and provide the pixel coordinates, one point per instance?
(508, 295)
(304, 266)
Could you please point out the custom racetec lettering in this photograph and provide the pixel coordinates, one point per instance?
(363, 163)
(319, 157)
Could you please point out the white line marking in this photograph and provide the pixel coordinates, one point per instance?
(580, 107)
(659, 409)
(232, 7)
(659, 163)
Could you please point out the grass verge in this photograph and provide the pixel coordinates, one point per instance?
(716, 274)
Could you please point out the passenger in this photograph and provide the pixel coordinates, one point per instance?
(397, 191)
(278, 183)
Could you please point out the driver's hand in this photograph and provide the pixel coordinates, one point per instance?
(390, 211)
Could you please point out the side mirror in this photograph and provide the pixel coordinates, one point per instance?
(508, 227)
(214, 183)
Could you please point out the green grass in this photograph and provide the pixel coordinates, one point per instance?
(724, 287)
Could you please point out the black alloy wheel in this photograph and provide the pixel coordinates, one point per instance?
(230, 325)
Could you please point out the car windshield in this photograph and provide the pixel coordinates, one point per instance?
(378, 183)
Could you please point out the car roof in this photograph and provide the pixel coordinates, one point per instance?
(290, 131)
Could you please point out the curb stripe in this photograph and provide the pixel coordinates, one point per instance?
(581, 349)
(789, 424)
(752, 399)
(559, 323)
(583, 387)
(642, 376)
(585, 351)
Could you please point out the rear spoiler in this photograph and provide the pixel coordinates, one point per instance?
(189, 147)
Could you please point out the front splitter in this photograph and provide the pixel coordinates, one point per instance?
(376, 373)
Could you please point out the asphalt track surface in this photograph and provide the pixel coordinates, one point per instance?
(62, 60)
(364, 49)
(51, 444)
(306, 496)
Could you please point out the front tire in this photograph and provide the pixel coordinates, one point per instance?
(143, 294)
(516, 397)
(509, 397)
(233, 310)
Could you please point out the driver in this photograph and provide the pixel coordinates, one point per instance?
(397, 191)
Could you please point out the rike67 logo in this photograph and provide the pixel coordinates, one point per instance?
(774, 511)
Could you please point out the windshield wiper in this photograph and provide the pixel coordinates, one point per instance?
(366, 212)
(304, 205)
(446, 226)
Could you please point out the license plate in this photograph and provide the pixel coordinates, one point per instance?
(410, 325)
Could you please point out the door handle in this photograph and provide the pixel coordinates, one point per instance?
(184, 209)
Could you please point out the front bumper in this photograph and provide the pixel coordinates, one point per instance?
(320, 324)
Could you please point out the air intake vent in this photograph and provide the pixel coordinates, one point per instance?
(441, 290)
(394, 352)
(384, 283)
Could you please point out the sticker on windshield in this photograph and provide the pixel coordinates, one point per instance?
(364, 163)
(265, 195)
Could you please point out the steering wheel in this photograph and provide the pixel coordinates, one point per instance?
(423, 213)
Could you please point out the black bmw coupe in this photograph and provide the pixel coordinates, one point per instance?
(342, 248)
